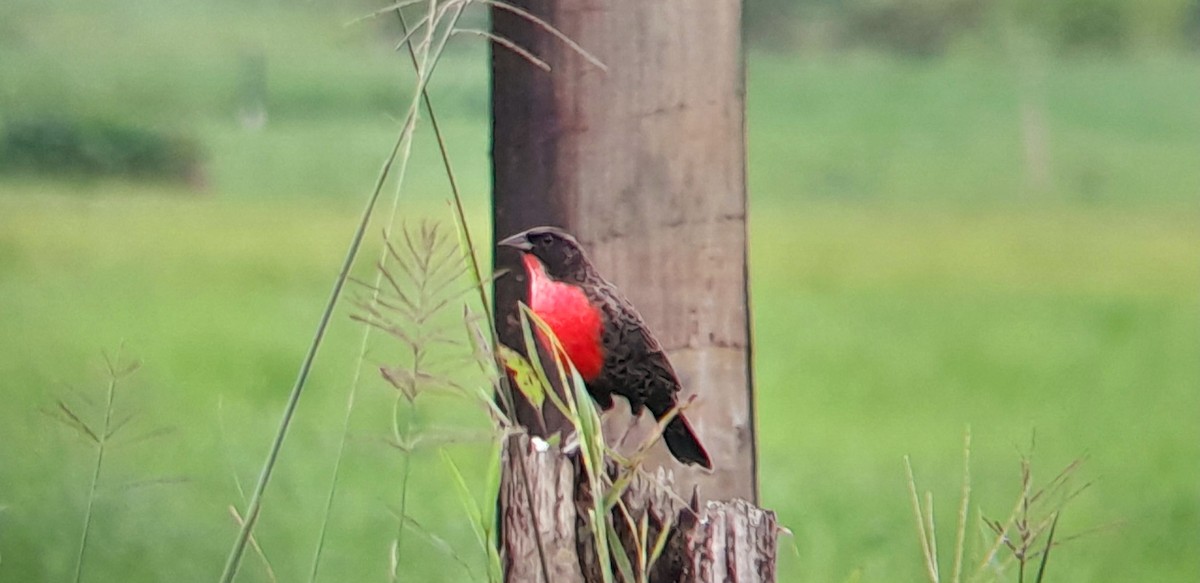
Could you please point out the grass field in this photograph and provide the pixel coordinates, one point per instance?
(906, 284)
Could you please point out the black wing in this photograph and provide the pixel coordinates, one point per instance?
(635, 365)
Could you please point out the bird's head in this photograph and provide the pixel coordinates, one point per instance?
(557, 250)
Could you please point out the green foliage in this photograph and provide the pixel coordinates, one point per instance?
(91, 148)
(1109, 26)
(528, 380)
(1027, 535)
(921, 28)
(932, 27)
(1090, 24)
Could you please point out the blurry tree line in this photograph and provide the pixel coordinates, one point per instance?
(930, 27)
(80, 147)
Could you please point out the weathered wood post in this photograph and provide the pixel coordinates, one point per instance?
(645, 164)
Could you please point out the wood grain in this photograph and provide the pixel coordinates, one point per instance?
(645, 164)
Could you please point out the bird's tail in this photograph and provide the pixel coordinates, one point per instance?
(684, 445)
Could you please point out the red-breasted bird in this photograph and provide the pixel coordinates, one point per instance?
(602, 334)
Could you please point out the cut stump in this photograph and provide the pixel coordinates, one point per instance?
(544, 498)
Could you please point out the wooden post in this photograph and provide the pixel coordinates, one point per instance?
(717, 542)
(645, 164)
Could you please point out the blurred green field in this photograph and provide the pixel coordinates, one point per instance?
(906, 280)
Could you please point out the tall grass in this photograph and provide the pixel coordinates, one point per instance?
(434, 29)
(431, 49)
(103, 430)
(99, 438)
(409, 305)
(1028, 533)
(423, 96)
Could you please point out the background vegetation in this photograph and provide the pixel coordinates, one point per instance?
(963, 212)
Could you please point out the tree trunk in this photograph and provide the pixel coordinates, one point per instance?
(645, 164)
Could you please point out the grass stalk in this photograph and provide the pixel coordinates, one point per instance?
(929, 527)
(101, 441)
(254, 508)
(262, 555)
(915, 500)
(505, 388)
(960, 535)
(430, 21)
(407, 42)
(331, 491)
(1046, 552)
(401, 436)
(406, 472)
(460, 215)
(1003, 528)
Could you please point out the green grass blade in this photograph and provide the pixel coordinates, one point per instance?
(101, 441)
(915, 501)
(467, 500)
(660, 542)
(492, 487)
(963, 508)
(581, 412)
(436, 542)
(405, 475)
(1049, 545)
(254, 508)
(624, 565)
(600, 534)
(527, 379)
(528, 321)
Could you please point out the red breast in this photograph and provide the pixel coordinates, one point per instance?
(567, 311)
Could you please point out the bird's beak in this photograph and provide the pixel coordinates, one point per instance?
(518, 241)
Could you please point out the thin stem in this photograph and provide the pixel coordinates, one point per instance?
(255, 506)
(915, 500)
(362, 350)
(508, 44)
(460, 214)
(404, 439)
(506, 395)
(964, 502)
(529, 16)
(1046, 553)
(337, 470)
(1002, 529)
(933, 562)
(101, 440)
(289, 411)
(422, 73)
(412, 411)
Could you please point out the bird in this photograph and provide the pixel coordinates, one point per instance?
(602, 334)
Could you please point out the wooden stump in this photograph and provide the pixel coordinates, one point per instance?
(544, 496)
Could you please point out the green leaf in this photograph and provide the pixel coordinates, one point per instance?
(661, 542)
(624, 566)
(492, 481)
(599, 529)
(528, 381)
(436, 542)
(467, 500)
(528, 321)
